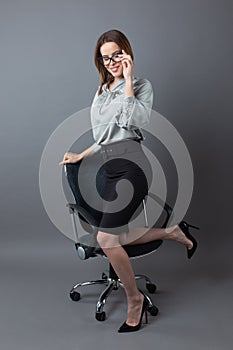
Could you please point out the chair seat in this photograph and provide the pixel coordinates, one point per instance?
(132, 250)
(137, 249)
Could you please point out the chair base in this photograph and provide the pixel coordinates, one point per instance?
(112, 282)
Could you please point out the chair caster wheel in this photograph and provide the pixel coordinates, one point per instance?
(151, 288)
(153, 310)
(75, 296)
(100, 316)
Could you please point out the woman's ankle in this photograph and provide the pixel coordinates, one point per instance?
(171, 232)
(135, 298)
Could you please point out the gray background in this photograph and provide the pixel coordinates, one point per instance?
(47, 73)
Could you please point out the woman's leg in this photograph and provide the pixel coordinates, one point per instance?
(121, 264)
(111, 245)
(140, 235)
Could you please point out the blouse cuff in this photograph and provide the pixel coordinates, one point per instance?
(126, 111)
(95, 147)
(128, 103)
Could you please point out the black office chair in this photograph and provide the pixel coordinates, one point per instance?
(87, 245)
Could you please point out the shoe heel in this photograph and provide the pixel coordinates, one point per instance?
(146, 316)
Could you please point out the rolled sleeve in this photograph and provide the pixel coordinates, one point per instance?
(135, 110)
(95, 147)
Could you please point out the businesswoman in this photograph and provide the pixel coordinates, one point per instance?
(122, 105)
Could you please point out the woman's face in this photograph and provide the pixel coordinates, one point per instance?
(108, 50)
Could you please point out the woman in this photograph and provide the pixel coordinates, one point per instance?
(122, 105)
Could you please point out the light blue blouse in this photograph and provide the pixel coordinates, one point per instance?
(114, 117)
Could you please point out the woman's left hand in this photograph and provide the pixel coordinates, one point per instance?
(128, 65)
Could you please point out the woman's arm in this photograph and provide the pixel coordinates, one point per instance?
(136, 105)
(136, 108)
(70, 157)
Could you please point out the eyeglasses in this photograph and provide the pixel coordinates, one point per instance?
(105, 60)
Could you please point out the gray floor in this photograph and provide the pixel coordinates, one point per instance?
(194, 298)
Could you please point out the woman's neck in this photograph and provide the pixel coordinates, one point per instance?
(114, 82)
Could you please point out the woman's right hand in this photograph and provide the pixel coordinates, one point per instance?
(70, 157)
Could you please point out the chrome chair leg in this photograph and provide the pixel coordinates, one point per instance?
(89, 283)
(147, 279)
(105, 294)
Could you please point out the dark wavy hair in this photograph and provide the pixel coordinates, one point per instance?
(120, 39)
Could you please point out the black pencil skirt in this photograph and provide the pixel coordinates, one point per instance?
(128, 177)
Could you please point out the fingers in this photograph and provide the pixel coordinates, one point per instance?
(70, 157)
(65, 159)
(127, 61)
(126, 57)
(127, 64)
(64, 162)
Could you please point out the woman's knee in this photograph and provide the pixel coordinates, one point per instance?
(107, 240)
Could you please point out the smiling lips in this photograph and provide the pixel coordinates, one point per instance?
(115, 69)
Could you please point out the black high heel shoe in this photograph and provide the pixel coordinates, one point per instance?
(184, 226)
(127, 328)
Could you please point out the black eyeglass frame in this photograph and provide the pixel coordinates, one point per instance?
(100, 58)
